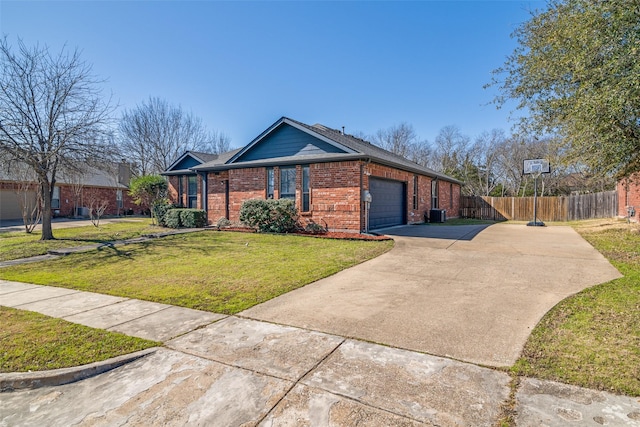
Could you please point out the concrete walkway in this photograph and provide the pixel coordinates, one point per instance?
(233, 370)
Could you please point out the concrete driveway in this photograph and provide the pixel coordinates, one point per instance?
(471, 293)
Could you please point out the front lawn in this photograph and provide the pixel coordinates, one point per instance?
(14, 245)
(34, 342)
(593, 338)
(222, 272)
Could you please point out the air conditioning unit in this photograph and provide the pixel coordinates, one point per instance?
(437, 215)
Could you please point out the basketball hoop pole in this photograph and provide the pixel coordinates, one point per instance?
(535, 222)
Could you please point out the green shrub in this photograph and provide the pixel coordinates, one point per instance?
(171, 219)
(189, 218)
(270, 216)
(148, 191)
(223, 222)
(193, 218)
(315, 228)
(159, 209)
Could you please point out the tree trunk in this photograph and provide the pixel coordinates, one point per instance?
(46, 191)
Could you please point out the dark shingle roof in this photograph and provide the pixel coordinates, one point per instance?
(378, 153)
(205, 157)
(358, 149)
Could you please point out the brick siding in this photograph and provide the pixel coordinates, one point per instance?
(335, 193)
(85, 197)
(629, 195)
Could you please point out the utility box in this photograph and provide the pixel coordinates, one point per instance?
(437, 215)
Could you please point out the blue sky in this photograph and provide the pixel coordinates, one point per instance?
(242, 65)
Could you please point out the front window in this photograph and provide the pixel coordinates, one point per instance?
(119, 198)
(415, 192)
(55, 199)
(270, 183)
(450, 195)
(306, 202)
(434, 194)
(288, 183)
(193, 192)
(180, 189)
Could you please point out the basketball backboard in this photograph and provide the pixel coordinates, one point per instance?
(536, 166)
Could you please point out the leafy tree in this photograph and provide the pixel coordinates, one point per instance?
(149, 191)
(52, 115)
(577, 74)
(155, 133)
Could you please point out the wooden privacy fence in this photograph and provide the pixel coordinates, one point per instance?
(562, 208)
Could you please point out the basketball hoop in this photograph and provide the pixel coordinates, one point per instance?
(535, 167)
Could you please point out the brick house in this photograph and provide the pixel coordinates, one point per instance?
(629, 196)
(73, 194)
(330, 176)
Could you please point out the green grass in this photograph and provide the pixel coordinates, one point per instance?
(593, 338)
(16, 245)
(222, 272)
(34, 342)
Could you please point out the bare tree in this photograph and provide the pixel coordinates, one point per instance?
(97, 206)
(402, 140)
(450, 151)
(51, 114)
(155, 133)
(482, 174)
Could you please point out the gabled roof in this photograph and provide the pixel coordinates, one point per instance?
(348, 147)
(193, 159)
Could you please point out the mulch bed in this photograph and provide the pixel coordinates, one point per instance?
(327, 235)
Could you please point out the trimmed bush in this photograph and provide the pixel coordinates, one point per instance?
(270, 216)
(223, 222)
(193, 218)
(171, 219)
(189, 218)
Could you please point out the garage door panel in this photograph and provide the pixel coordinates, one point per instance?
(9, 205)
(388, 204)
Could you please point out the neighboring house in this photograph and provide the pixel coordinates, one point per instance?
(327, 173)
(74, 193)
(629, 196)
